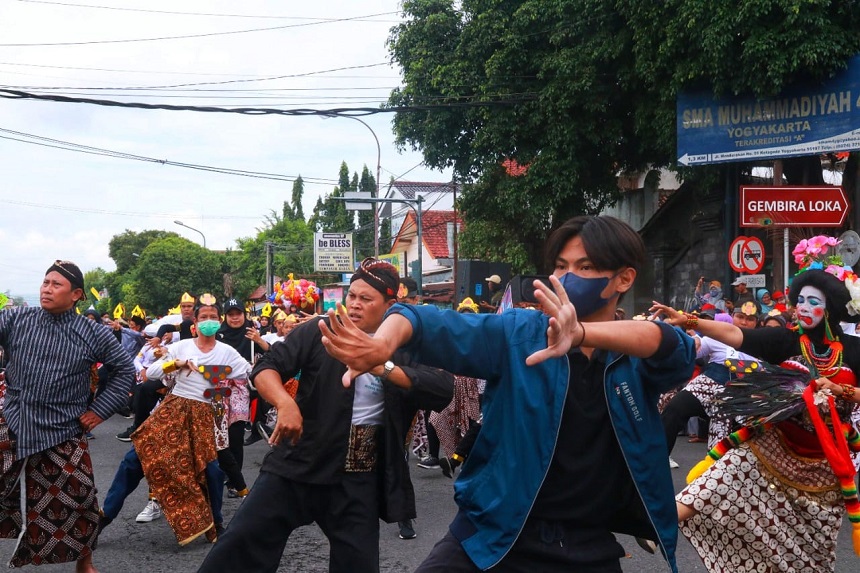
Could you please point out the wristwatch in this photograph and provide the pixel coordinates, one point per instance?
(387, 369)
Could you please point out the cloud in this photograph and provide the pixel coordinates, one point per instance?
(62, 204)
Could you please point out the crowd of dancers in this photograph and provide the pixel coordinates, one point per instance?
(551, 418)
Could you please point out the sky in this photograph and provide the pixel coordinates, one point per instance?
(62, 204)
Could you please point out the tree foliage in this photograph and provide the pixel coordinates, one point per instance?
(330, 215)
(173, 265)
(293, 253)
(363, 238)
(575, 92)
(126, 247)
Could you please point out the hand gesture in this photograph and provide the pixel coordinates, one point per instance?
(564, 327)
(350, 345)
(668, 314)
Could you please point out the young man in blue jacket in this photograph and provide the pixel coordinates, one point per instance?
(572, 448)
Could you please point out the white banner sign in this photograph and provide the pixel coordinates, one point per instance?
(333, 253)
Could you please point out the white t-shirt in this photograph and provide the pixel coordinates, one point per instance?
(272, 337)
(191, 383)
(369, 401)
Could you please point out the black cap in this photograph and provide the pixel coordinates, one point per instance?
(232, 303)
(72, 273)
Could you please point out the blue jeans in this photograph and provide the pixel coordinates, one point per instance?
(130, 472)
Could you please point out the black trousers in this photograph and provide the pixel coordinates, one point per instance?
(676, 413)
(145, 398)
(347, 512)
(227, 459)
(538, 548)
(432, 436)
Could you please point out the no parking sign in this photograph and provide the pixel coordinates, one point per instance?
(746, 255)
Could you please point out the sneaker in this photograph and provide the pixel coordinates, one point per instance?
(447, 467)
(234, 493)
(125, 436)
(429, 463)
(151, 512)
(406, 530)
(90, 436)
(673, 464)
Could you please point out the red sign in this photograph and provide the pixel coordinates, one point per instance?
(793, 206)
(746, 255)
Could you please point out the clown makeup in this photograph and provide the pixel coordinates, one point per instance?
(811, 305)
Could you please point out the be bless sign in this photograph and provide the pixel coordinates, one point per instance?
(333, 253)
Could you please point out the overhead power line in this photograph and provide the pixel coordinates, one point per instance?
(79, 148)
(348, 111)
(222, 82)
(190, 36)
(177, 13)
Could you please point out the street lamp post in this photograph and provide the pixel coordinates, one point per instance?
(415, 205)
(181, 224)
(378, 167)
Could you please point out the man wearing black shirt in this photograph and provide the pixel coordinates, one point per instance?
(337, 456)
(565, 456)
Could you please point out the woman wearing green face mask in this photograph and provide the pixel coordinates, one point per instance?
(178, 437)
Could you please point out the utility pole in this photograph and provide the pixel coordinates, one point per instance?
(270, 280)
(415, 205)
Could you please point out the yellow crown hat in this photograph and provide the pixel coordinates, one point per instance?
(469, 304)
(186, 298)
(267, 310)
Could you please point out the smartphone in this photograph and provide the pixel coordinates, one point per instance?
(523, 289)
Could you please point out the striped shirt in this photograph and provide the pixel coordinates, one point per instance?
(48, 375)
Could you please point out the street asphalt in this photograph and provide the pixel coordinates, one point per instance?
(130, 547)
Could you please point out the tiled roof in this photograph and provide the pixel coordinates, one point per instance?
(434, 231)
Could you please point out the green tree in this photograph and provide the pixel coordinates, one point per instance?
(126, 247)
(97, 279)
(574, 92)
(330, 215)
(363, 238)
(173, 265)
(293, 253)
(296, 203)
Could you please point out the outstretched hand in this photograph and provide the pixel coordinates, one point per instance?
(345, 342)
(668, 314)
(563, 324)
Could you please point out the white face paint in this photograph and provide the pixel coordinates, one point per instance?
(811, 305)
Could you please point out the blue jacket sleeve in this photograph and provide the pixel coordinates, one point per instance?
(673, 363)
(466, 344)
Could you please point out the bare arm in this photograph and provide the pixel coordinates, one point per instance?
(721, 331)
(639, 338)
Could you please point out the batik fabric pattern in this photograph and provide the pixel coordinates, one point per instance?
(452, 423)
(60, 505)
(763, 505)
(174, 445)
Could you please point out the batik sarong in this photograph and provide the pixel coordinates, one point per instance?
(452, 423)
(763, 507)
(174, 445)
(60, 505)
